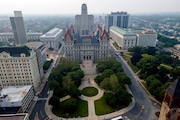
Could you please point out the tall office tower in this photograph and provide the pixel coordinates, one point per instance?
(19, 31)
(84, 23)
(119, 19)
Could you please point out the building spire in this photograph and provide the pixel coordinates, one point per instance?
(84, 9)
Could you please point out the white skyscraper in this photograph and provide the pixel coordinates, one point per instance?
(84, 23)
(19, 31)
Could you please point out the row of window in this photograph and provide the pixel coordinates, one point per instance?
(16, 77)
(10, 74)
(17, 81)
(15, 84)
(12, 61)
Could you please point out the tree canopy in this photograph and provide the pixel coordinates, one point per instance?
(112, 78)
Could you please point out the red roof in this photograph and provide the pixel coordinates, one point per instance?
(68, 33)
(104, 33)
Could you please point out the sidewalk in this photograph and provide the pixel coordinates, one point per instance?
(88, 80)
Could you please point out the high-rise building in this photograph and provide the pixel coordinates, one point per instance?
(170, 109)
(40, 50)
(19, 31)
(84, 23)
(119, 19)
(18, 67)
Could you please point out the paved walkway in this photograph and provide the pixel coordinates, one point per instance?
(88, 80)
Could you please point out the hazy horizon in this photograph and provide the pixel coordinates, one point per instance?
(69, 7)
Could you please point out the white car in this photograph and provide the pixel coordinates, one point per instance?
(117, 118)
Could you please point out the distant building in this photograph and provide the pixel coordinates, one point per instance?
(40, 50)
(84, 23)
(83, 42)
(19, 31)
(176, 51)
(17, 96)
(52, 38)
(86, 48)
(19, 116)
(120, 19)
(31, 36)
(18, 67)
(127, 38)
(170, 109)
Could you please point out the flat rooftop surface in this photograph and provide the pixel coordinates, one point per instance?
(15, 93)
(13, 117)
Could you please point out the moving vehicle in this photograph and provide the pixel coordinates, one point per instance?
(117, 118)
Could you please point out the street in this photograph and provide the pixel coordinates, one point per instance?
(144, 108)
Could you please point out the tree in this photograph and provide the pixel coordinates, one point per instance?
(126, 80)
(123, 97)
(175, 73)
(116, 67)
(98, 79)
(105, 84)
(80, 73)
(111, 84)
(74, 92)
(136, 58)
(111, 100)
(153, 87)
(151, 50)
(68, 83)
(75, 77)
(100, 67)
(54, 101)
(137, 49)
(114, 83)
(58, 92)
(107, 73)
(53, 85)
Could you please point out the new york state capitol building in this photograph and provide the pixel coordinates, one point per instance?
(81, 42)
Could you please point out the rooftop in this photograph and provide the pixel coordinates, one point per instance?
(174, 88)
(81, 39)
(9, 110)
(32, 45)
(15, 94)
(122, 12)
(52, 33)
(21, 116)
(122, 31)
(15, 51)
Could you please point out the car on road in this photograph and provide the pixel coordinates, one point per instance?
(118, 118)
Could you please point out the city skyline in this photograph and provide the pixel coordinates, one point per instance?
(99, 7)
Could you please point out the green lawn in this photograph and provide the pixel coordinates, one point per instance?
(101, 107)
(145, 87)
(128, 58)
(89, 91)
(82, 110)
(146, 56)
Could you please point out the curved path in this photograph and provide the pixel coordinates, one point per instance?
(88, 80)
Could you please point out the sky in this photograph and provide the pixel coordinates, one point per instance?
(94, 6)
